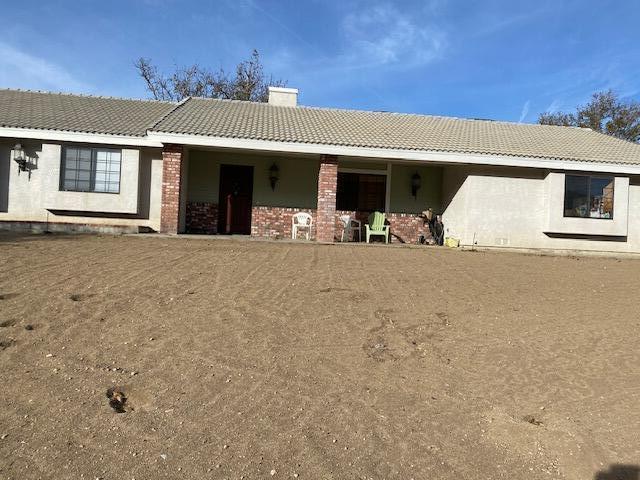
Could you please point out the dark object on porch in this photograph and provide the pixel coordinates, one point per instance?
(436, 227)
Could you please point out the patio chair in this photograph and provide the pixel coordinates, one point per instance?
(301, 220)
(350, 227)
(376, 226)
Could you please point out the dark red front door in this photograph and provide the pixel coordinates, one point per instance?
(236, 192)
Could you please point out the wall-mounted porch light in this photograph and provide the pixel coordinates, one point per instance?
(416, 182)
(274, 175)
(20, 157)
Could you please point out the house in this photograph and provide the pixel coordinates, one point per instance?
(84, 163)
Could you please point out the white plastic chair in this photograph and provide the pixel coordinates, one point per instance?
(350, 227)
(301, 220)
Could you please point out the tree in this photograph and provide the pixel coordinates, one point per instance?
(249, 82)
(605, 113)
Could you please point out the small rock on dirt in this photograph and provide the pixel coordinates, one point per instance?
(532, 420)
(117, 399)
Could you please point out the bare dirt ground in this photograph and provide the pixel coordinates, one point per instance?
(244, 359)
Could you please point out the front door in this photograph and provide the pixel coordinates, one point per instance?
(236, 192)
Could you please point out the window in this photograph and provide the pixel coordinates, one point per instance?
(588, 197)
(90, 170)
(361, 192)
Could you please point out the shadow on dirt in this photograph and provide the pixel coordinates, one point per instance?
(619, 472)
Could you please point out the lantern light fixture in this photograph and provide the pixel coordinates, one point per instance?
(19, 157)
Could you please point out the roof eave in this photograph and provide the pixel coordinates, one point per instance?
(79, 137)
(441, 157)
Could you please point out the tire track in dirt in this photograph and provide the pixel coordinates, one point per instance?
(287, 325)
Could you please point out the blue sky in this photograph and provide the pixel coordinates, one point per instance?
(505, 60)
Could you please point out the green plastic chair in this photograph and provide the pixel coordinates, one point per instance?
(376, 226)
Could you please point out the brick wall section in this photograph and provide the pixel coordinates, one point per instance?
(275, 222)
(404, 227)
(171, 175)
(327, 183)
(407, 227)
(202, 217)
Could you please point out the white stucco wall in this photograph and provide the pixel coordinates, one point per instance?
(558, 223)
(152, 189)
(126, 201)
(37, 197)
(522, 208)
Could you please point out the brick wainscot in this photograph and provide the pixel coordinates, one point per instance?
(405, 227)
(202, 217)
(275, 222)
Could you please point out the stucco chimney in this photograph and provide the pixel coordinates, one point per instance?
(283, 97)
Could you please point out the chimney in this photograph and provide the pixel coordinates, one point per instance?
(283, 97)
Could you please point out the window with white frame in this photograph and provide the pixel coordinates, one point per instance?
(588, 196)
(86, 169)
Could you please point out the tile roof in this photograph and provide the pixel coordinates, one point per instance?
(307, 125)
(79, 113)
(260, 121)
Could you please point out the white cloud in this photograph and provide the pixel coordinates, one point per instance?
(525, 111)
(554, 106)
(372, 39)
(383, 35)
(19, 69)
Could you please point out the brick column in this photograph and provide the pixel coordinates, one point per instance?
(327, 184)
(171, 176)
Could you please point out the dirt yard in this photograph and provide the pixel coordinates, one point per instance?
(244, 360)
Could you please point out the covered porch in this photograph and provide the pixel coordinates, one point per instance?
(224, 191)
